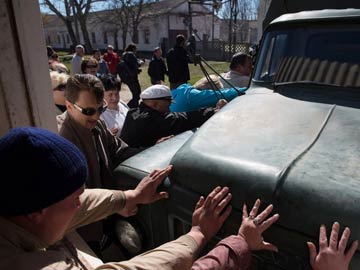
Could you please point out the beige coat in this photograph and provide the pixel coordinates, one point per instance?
(20, 250)
(235, 78)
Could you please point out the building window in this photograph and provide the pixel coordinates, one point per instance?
(58, 39)
(147, 36)
(93, 38)
(105, 38)
(48, 39)
(67, 38)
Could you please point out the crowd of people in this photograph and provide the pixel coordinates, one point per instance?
(73, 170)
(185, 99)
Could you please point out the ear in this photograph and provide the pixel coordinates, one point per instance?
(68, 105)
(36, 217)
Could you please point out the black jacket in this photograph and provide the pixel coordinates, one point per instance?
(157, 70)
(177, 61)
(143, 126)
(132, 62)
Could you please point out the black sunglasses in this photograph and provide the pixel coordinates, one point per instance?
(90, 111)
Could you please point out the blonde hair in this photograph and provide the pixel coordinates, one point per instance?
(59, 67)
(58, 79)
(203, 83)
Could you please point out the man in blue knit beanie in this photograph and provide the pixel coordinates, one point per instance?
(50, 169)
(42, 200)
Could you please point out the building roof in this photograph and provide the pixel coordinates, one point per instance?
(51, 20)
(167, 6)
(163, 6)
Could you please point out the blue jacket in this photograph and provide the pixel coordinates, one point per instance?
(187, 98)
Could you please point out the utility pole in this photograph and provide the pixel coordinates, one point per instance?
(215, 5)
(190, 17)
(234, 10)
(213, 25)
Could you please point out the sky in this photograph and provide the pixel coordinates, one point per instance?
(96, 6)
(103, 5)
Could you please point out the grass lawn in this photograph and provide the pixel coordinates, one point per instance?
(195, 74)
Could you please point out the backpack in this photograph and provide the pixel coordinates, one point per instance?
(125, 74)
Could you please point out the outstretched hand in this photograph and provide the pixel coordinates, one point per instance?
(220, 104)
(210, 213)
(332, 255)
(146, 191)
(253, 226)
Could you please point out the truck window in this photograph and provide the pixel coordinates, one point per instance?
(326, 54)
(269, 63)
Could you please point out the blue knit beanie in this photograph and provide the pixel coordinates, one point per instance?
(38, 168)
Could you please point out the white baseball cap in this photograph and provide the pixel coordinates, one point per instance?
(80, 47)
(157, 91)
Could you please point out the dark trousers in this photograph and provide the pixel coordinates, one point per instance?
(175, 85)
(135, 89)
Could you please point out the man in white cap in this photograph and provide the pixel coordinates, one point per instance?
(145, 125)
(77, 59)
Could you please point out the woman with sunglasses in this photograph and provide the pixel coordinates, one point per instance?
(90, 66)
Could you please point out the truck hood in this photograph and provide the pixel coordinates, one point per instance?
(302, 156)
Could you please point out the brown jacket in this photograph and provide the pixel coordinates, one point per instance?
(20, 250)
(102, 150)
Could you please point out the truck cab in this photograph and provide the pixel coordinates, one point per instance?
(293, 140)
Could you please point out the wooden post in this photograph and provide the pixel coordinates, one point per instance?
(25, 88)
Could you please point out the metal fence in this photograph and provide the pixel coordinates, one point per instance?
(220, 50)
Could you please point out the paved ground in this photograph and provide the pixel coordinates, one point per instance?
(125, 93)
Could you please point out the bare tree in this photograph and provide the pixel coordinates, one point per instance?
(62, 10)
(115, 19)
(82, 9)
(124, 16)
(68, 11)
(238, 13)
(135, 14)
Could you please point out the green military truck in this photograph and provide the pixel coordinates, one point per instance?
(293, 140)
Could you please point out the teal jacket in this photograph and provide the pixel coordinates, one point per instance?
(187, 98)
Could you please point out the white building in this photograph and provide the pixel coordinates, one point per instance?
(162, 21)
